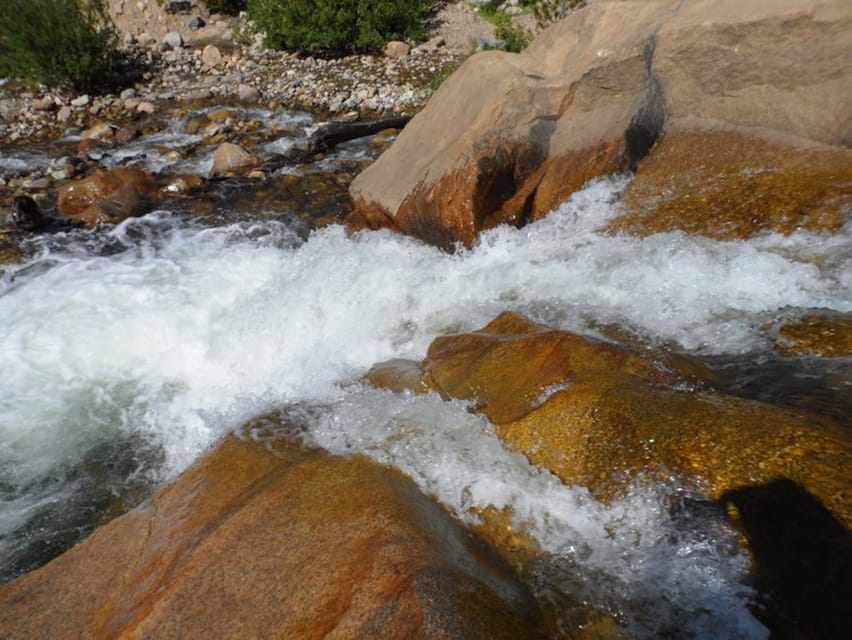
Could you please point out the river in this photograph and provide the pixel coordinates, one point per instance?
(127, 353)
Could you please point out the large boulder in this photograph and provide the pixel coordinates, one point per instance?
(599, 415)
(264, 540)
(659, 86)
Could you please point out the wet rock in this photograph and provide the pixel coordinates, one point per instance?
(510, 136)
(78, 196)
(598, 415)
(125, 202)
(128, 133)
(230, 158)
(262, 540)
(817, 335)
(27, 214)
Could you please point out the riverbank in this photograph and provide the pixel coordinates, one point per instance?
(191, 56)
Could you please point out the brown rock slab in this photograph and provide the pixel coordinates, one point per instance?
(274, 541)
(737, 187)
(597, 415)
(816, 335)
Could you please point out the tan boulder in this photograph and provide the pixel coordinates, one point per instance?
(76, 197)
(230, 158)
(510, 136)
(262, 540)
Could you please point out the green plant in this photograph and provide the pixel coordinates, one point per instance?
(337, 26)
(231, 7)
(58, 42)
(515, 37)
(549, 11)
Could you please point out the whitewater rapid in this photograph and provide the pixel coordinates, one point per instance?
(166, 335)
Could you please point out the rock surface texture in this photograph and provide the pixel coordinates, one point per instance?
(261, 541)
(756, 93)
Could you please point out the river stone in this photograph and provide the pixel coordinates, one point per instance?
(211, 56)
(230, 158)
(509, 136)
(263, 540)
(79, 195)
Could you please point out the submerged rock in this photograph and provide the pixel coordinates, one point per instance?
(816, 335)
(262, 540)
(675, 90)
(230, 158)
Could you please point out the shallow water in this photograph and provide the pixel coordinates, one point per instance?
(159, 336)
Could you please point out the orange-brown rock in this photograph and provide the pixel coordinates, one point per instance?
(125, 202)
(823, 336)
(79, 195)
(738, 186)
(597, 415)
(509, 136)
(263, 541)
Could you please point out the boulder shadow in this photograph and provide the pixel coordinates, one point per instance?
(802, 560)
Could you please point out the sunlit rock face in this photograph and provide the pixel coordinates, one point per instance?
(700, 90)
(598, 415)
(271, 540)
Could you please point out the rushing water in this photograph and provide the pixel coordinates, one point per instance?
(127, 353)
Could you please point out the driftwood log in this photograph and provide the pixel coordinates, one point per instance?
(329, 135)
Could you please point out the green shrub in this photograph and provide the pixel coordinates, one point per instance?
(337, 26)
(58, 42)
(231, 7)
(515, 37)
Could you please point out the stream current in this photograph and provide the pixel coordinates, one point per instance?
(127, 353)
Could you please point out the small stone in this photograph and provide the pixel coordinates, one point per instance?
(145, 107)
(44, 104)
(396, 49)
(98, 131)
(81, 101)
(127, 94)
(196, 23)
(173, 40)
(230, 158)
(248, 94)
(64, 114)
(211, 56)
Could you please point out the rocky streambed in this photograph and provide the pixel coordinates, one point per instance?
(628, 418)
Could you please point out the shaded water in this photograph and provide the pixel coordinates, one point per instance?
(127, 353)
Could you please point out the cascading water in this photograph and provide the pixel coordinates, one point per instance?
(127, 353)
